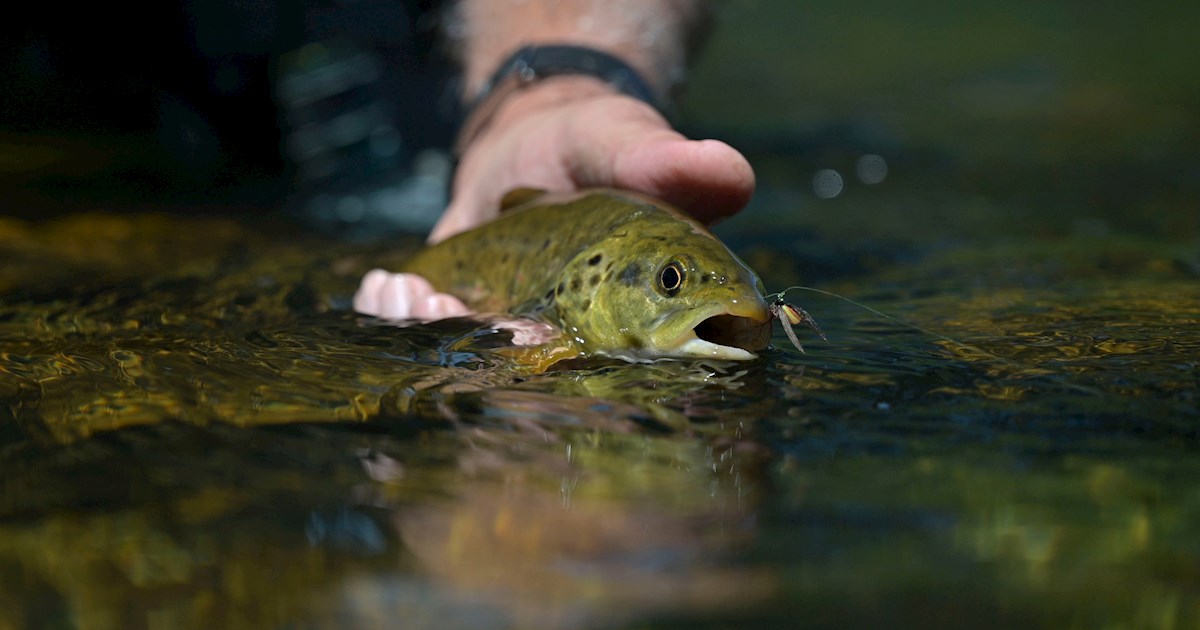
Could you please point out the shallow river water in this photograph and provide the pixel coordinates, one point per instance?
(195, 431)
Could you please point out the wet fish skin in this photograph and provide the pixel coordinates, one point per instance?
(592, 264)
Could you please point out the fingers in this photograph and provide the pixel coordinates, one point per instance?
(404, 296)
(439, 306)
(707, 178)
(366, 299)
(459, 216)
(605, 140)
(632, 147)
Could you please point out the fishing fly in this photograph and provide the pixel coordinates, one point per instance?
(791, 315)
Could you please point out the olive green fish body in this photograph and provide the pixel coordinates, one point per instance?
(619, 274)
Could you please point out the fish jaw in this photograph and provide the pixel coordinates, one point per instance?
(698, 348)
(732, 333)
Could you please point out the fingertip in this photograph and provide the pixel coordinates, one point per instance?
(444, 228)
(439, 306)
(731, 180)
(396, 297)
(738, 171)
(707, 178)
(366, 303)
(417, 285)
(366, 298)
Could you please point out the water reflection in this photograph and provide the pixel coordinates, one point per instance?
(603, 528)
(237, 449)
(537, 525)
(194, 431)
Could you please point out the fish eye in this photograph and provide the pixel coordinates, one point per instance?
(670, 278)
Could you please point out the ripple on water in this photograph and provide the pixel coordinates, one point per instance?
(235, 429)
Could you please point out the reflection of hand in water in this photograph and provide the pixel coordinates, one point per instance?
(578, 530)
(553, 509)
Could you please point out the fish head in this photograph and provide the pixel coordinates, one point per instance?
(663, 289)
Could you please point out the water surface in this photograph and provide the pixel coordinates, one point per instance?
(195, 431)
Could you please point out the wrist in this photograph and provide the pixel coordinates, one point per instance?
(531, 100)
(532, 66)
(655, 37)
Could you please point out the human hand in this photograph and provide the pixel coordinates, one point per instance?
(574, 132)
(566, 134)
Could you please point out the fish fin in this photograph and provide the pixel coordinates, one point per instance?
(538, 359)
(519, 196)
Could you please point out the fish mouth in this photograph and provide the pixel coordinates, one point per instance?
(734, 334)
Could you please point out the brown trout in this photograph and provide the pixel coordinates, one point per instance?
(620, 274)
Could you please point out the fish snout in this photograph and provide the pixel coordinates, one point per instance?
(735, 333)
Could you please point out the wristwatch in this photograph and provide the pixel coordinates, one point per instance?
(533, 63)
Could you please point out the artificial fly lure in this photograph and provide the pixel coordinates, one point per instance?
(791, 315)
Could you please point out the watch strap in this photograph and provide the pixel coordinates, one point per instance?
(533, 63)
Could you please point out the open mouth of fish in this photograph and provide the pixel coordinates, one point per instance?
(732, 334)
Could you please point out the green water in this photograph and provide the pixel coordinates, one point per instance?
(196, 432)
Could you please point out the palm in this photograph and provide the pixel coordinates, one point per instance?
(608, 140)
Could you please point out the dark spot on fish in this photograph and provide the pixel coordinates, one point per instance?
(458, 264)
(629, 275)
(586, 304)
(576, 283)
(704, 278)
(560, 289)
(545, 244)
(504, 258)
(595, 260)
(594, 280)
(549, 296)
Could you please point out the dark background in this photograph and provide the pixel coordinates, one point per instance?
(174, 102)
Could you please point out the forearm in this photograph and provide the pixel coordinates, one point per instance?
(579, 130)
(653, 36)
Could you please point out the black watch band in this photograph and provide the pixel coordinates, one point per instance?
(533, 63)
